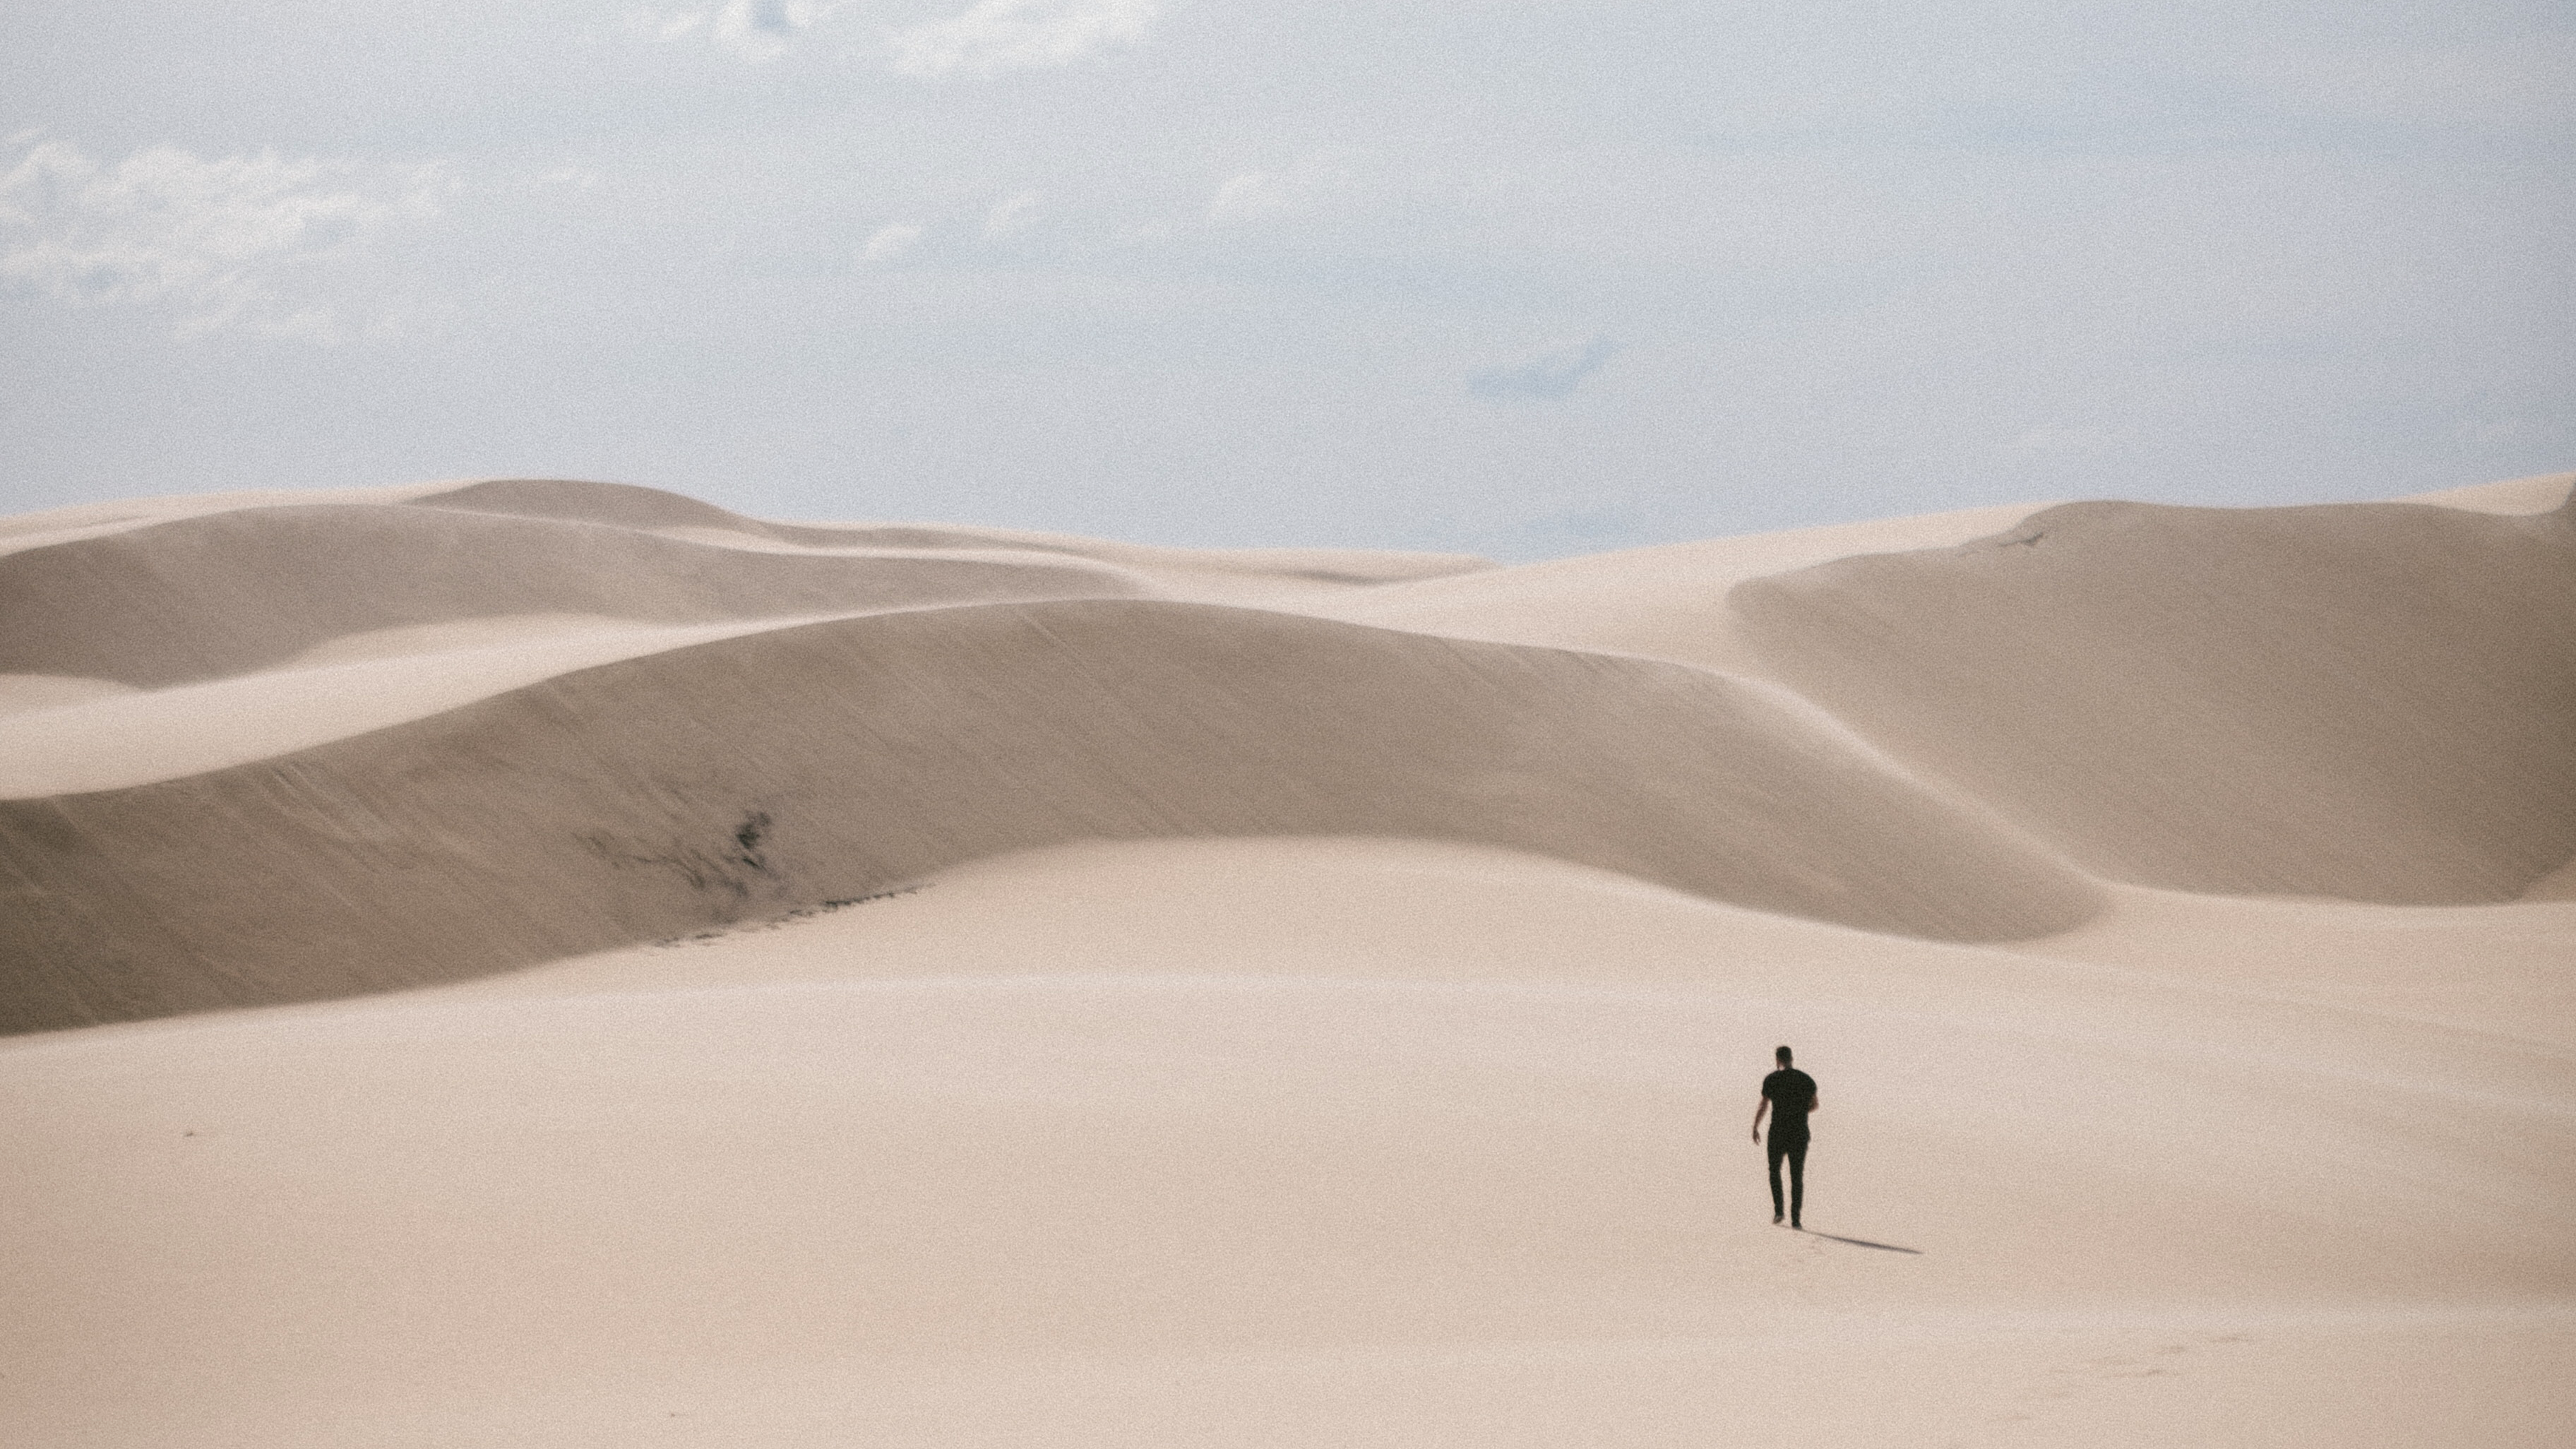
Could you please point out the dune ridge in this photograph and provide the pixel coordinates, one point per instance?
(91, 520)
(2367, 701)
(1314, 1028)
(2537, 493)
(1667, 601)
(779, 770)
(633, 506)
(223, 593)
(75, 736)
(431, 655)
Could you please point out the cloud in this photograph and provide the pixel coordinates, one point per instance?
(752, 29)
(1255, 195)
(1551, 374)
(1010, 216)
(994, 36)
(889, 243)
(761, 29)
(233, 243)
(988, 38)
(1252, 194)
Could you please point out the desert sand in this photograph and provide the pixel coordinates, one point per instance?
(545, 963)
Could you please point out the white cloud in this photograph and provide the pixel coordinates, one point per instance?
(1551, 374)
(994, 36)
(1010, 216)
(1252, 194)
(987, 38)
(237, 242)
(889, 243)
(668, 27)
(1255, 195)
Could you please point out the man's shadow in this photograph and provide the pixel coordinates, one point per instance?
(1861, 1242)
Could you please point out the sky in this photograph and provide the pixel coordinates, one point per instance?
(1523, 279)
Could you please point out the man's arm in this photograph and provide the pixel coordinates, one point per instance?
(1757, 1118)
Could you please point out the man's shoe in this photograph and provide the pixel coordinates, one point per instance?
(1775, 1219)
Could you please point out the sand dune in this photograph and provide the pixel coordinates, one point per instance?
(653, 508)
(74, 736)
(1320, 1143)
(236, 615)
(2539, 493)
(224, 593)
(1665, 602)
(1327, 1000)
(2558, 885)
(783, 769)
(2375, 702)
(37, 693)
(92, 520)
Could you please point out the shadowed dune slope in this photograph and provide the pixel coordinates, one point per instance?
(631, 506)
(221, 593)
(1667, 601)
(576, 500)
(2371, 701)
(764, 773)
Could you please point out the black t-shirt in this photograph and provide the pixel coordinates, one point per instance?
(1791, 1093)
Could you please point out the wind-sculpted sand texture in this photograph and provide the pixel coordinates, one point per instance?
(1128, 1021)
(777, 771)
(2370, 701)
(218, 594)
(1665, 602)
(1315, 1143)
(76, 736)
(652, 508)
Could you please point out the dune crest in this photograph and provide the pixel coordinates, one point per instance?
(223, 593)
(1667, 601)
(632, 506)
(2539, 493)
(100, 735)
(1315, 1027)
(2368, 701)
(783, 769)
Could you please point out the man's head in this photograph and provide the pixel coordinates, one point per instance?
(1782, 1056)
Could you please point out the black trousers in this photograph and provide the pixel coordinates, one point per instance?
(1794, 1149)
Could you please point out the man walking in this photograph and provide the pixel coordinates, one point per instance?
(1788, 1095)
